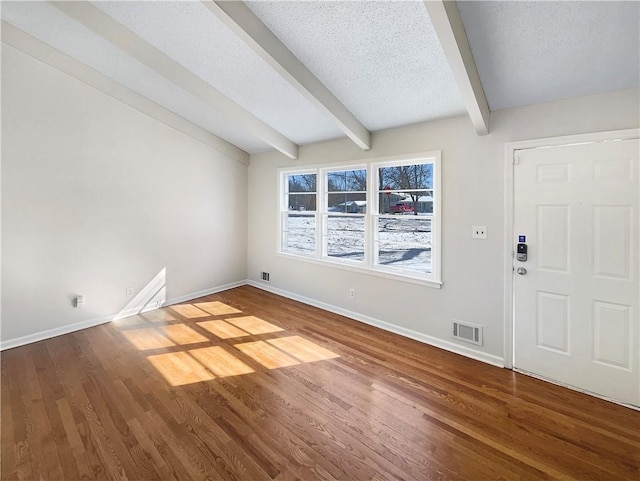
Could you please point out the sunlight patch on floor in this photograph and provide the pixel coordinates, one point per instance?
(181, 334)
(217, 308)
(159, 315)
(265, 354)
(189, 311)
(254, 325)
(148, 338)
(179, 368)
(130, 321)
(185, 366)
(222, 329)
(220, 362)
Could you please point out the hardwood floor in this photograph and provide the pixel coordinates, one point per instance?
(246, 385)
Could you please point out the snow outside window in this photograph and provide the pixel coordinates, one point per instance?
(345, 192)
(299, 220)
(404, 221)
(382, 217)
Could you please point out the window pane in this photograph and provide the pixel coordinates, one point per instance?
(405, 243)
(302, 183)
(416, 176)
(418, 202)
(302, 201)
(347, 180)
(300, 233)
(356, 179)
(347, 202)
(345, 237)
(336, 182)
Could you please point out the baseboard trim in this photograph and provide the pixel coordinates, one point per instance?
(206, 292)
(78, 326)
(58, 331)
(418, 336)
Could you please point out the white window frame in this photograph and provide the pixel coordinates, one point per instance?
(324, 213)
(284, 211)
(367, 266)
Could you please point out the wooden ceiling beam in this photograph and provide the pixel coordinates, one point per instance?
(123, 38)
(255, 34)
(450, 30)
(39, 50)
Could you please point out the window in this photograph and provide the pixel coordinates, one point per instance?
(343, 216)
(382, 217)
(403, 223)
(299, 220)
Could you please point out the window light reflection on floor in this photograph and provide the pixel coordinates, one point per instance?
(254, 325)
(267, 355)
(180, 368)
(159, 315)
(148, 338)
(199, 364)
(220, 362)
(222, 329)
(217, 308)
(181, 334)
(189, 311)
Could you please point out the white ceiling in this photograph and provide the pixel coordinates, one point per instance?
(533, 52)
(382, 60)
(48, 24)
(197, 40)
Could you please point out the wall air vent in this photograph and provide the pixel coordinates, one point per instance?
(466, 332)
(264, 276)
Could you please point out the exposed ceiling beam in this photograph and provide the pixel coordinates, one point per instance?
(450, 30)
(33, 47)
(244, 23)
(108, 28)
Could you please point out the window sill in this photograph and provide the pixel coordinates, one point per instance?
(433, 284)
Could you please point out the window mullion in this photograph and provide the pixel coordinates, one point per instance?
(321, 234)
(370, 243)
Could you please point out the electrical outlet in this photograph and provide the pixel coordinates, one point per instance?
(130, 291)
(352, 293)
(479, 232)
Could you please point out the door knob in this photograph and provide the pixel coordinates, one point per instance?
(522, 271)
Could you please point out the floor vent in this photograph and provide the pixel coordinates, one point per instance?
(264, 276)
(467, 332)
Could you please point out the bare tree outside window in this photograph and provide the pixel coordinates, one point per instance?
(302, 192)
(327, 215)
(415, 180)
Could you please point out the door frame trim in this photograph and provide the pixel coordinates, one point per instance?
(510, 151)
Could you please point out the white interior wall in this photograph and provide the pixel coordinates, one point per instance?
(97, 197)
(473, 169)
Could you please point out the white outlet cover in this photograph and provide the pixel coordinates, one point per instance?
(479, 232)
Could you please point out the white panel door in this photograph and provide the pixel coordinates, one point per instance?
(576, 308)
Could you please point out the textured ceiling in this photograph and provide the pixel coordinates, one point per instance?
(532, 52)
(382, 60)
(192, 36)
(48, 24)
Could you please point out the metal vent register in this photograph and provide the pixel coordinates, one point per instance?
(467, 332)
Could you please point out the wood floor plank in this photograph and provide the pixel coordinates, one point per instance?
(247, 385)
(217, 308)
(254, 325)
(223, 329)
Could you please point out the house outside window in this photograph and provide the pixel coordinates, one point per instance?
(382, 217)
